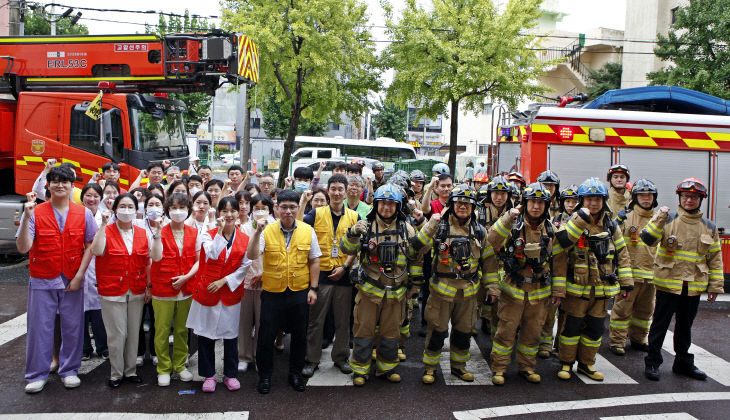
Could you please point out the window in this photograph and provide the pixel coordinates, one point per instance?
(324, 154)
(306, 154)
(483, 149)
(255, 122)
(85, 133)
(406, 154)
(334, 126)
(674, 15)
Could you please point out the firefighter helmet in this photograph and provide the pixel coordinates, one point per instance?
(571, 191)
(692, 185)
(441, 169)
(617, 169)
(399, 180)
(387, 192)
(592, 187)
(463, 193)
(483, 194)
(417, 175)
(499, 184)
(377, 166)
(536, 191)
(481, 177)
(517, 177)
(549, 177)
(643, 186)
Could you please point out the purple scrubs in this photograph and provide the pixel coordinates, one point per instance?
(46, 298)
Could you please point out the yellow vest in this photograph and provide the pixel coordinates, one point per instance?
(284, 268)
(324, 228)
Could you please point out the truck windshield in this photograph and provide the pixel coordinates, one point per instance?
(152, 134)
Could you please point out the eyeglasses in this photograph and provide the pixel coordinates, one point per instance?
(288, 208)
(267, 184)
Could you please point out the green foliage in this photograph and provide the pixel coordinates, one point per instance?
(317, 55)
(390, 121)
(604, 79)
(198, 103)
(276, 120)
(696, 45)
(36, 24)
(461, 53)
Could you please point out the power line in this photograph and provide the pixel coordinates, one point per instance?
(143, 12)
(140, 24)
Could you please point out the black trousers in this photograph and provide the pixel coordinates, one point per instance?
(206, 357)
(93, 317)
(684, 310)
(287, 311)
(142, 346)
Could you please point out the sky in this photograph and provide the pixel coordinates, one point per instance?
(582, 15)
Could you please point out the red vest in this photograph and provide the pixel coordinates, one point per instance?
(117, 271)
(173, 264)
(212, 270)
(54, 252)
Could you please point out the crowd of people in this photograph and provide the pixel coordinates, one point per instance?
(349, 263)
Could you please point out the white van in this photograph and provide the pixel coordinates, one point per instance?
(315, 153)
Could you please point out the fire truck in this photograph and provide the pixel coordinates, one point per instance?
(49, 83)
(661, 133)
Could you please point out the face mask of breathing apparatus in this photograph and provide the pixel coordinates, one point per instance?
(460, 252)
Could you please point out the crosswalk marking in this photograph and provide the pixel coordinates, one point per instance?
(328, 374)
(715, 367)
(193, 365)
(476, 365)
(14, 328)
(611, 374)
(229, 415)
(662, 416)
(511, 410)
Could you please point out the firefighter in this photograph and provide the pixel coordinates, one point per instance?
(480, 179)
(633, 315)
(524, 237)
(378, 171)
(496, 203)
(688, 262)
(602, 268)
(518, 183)
(390, 272)
(461, 252)
(418, 182)
(551, 181)
(618, 193)
(567, 201)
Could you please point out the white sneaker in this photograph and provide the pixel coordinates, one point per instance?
(163, 380)
(155, 360)
(242, 367)
(185, 375)
(71, 381)
(140, 361)
(35, 387)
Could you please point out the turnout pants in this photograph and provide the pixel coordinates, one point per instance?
(581, 336)
(462, 312)
(632, 315)
(381, 317)
(684, 310)
(529, 317)
(546, 334)
(338, 298)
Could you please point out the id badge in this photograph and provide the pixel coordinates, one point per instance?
(335, 252)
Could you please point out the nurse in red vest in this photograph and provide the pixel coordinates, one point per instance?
(122, 258)
(56, 233)
(174, 263)
(215, 311)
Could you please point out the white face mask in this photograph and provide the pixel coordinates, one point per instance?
(194, 191)
(260, 214)
(126, 215)
(178, 216)
(153, 213)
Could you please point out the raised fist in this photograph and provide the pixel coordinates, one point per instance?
(95, 177)
(50, 163)
(514, 212)
(30, 203)
(664, 209)
(361, 226)
(105, 215)
(436, 217)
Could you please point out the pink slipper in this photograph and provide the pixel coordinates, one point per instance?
(232, 384)
(209, 385)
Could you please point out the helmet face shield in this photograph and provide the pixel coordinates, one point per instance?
(693, 185)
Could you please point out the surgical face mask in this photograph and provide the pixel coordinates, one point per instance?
(153, 213)
(178, 215)
(194, 191)
(301, 186)
(260, 214)
(126, 215)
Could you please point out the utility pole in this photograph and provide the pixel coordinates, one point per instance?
(53, 21)
(16, 17)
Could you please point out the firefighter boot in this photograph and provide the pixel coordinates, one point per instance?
(590, 372)
(618, 350)
(359, 380)
(498, 378)
(565, 372)
(530, 376)
(463, 374)
(390, 375)
(401, 354)
(429, 376)
(543, 354)
(375, 354)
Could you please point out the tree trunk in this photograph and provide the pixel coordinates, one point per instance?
(454, 131)
(296, 112)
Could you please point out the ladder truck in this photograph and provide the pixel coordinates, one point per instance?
(49, 83)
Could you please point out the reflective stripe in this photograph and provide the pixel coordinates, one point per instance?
(526, 349)
(619, 244)
(643, 274)
(368, 288)
(488, 278)
(624, 272)
(431, 360)
(653, 230)
(557, 249)
(680, 255)
(443, 288)
(456, 357)
(415, 270)
(360, 369)
(577, 289)
(501, 349)
(559, 281)
(385, 366)
(395, 294)
(548, 339)
(539, 293)
(590, 343)
(643, 323)
(619, 325)
(424, 240)
(573, 230)
(348, 246)
(513, 291)
(487, 252)
(405, 329)
(600, 290)
(569, 341)
(471, 290)
(715, 247)
(501, 229)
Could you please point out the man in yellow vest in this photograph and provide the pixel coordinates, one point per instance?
(290, 279)
(331, 223)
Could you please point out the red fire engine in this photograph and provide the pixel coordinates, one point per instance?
(48, 84)
(663, 134)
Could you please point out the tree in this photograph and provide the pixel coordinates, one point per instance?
(197, 103)
(390, 121)
(459, 54)
(697, 48)
(604, 79)
(276, 120)
(36, 24)
(317, 55)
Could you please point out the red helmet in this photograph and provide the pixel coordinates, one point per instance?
(618, 169)
(358, 162)
(516, 176)
(692, 185)
(481, 177)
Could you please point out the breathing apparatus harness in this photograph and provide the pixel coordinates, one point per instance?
(384, 252)
(599, 245)
(457, 253)
(535, 255)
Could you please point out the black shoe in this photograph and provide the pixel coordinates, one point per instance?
(326, 343)
(264, 385)
(652, 373)
(691, 372)
(134, 379)
(114, 383)
(344, 367)
(640, 346)
(297, 381)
